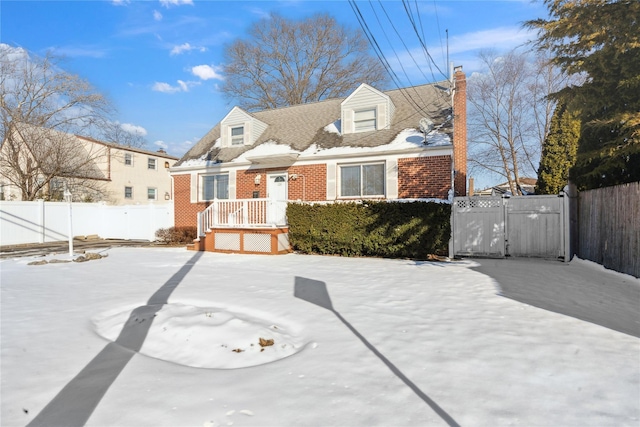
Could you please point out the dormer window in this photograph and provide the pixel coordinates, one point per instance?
(237, 135)
(366, 110)
(240, 128)
(365, 120)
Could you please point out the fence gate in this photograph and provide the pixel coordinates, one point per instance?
(527, 226)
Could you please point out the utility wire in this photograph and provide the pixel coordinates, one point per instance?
(384, 61)
(424, 46)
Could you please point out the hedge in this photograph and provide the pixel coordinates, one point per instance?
(376, 229)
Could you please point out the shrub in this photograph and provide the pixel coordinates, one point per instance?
(380, 229)
(176, 235)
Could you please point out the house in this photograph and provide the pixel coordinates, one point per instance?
(408, 143)
(91, 170)
(527, 186)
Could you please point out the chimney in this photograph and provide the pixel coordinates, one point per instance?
(460, 131)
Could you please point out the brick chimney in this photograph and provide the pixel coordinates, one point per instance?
(460, 131)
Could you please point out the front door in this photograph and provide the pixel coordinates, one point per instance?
(277, 195)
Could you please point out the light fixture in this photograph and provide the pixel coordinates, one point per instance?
(256, 180)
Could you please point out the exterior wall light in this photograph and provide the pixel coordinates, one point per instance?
(256, 180)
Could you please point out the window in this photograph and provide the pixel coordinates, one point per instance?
(215, 187)
(151, 163)
(237, 135)
(364, 120)
(128, 159)
(128, 192)
(362, 180)
(151, 193)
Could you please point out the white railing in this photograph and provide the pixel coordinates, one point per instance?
(243, 213)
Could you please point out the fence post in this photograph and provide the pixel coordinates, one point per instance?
(566, 222)
(41, 220)
(199, 224)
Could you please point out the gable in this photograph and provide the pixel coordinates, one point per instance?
(240, 128)
(366, 109)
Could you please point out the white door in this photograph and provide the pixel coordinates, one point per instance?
(277, 195)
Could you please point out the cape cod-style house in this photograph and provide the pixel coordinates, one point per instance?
(234, 183)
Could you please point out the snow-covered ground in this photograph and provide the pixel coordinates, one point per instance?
(296, 340)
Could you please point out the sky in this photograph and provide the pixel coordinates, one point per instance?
(160, 62)
(356, 342)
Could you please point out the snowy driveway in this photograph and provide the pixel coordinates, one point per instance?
(357, 342)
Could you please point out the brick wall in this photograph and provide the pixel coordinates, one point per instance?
(185, 212)
(460, 132)
(424, 177)
(312, 177)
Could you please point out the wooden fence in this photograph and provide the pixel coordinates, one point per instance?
(609, 227)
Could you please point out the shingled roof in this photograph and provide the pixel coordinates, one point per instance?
(301, 126)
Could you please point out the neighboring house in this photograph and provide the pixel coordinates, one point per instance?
(93, 170)
(527, 187)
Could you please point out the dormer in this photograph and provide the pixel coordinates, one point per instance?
(366, 109)
(240, 128)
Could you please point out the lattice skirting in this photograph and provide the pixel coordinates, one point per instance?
(245, 241)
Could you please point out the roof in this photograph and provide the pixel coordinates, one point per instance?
(158, 153)
(300, 127)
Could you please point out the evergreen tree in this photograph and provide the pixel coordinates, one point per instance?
(559, 151)
(599, 39)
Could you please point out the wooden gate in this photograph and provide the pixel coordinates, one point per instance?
(527, 226)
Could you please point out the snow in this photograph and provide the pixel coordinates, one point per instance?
(405, 140)
(356, 342)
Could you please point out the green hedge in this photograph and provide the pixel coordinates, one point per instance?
(378, 229)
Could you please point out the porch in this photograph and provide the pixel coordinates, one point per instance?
(247, 226)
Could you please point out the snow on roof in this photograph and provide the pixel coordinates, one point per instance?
(406, 140)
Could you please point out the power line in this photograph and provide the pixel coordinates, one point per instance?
(384, 61)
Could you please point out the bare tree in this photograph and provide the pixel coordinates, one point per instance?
(41, 109)
(510, 113)
(115, 133)
(286, 62)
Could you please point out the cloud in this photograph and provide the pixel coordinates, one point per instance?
(80, 51)
(207, 72)
(161, 144)
(133, 129)
(185, 47)
(157, 15)
(261, 13)
(120, 2)
(165, 87)
(181, 86)
(498, 38)
(169, 3)
(13, 52)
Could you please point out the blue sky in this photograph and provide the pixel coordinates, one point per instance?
(159, 61)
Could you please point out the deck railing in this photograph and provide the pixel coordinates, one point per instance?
(242, 213)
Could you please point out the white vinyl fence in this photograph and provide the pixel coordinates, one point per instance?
(527, 226)
(39, 221)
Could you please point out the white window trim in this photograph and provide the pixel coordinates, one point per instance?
(364, 110)
(244, 134)
(155, 193)
(125, 192)
(130, 157)
(200, 189)
(361, 196)
(155, 163)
